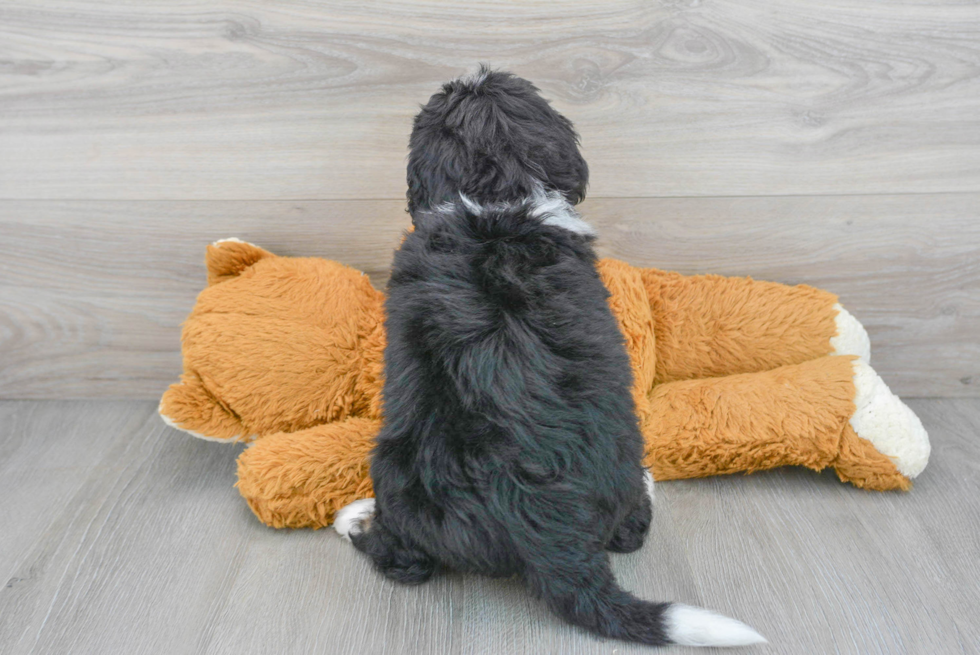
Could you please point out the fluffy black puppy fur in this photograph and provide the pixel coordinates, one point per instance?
(510, 445)
(491, 137)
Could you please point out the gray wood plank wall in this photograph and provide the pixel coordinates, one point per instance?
(314, 100)
(836, 144)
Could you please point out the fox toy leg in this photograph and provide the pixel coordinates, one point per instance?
(301, 479)
(831, 411)
(710, 326)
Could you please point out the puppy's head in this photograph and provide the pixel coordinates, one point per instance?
(492, 138)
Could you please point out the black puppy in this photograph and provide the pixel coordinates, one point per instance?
(510, 443)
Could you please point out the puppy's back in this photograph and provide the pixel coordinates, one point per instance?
(506, 375)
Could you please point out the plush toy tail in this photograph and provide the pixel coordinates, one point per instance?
(227, 258)
(593, 600)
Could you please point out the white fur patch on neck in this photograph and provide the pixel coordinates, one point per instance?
(471, 206)
(552, 208)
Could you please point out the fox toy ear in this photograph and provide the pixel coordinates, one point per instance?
(227, 258)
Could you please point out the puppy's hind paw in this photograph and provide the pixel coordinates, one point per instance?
(649, 484)
(354, 518)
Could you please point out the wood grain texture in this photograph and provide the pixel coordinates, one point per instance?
(907, 267)
(122, 535)
(889, 563)
(313, 100)
(92, 293)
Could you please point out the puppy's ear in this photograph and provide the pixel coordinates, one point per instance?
(564, 167)
(434, 162)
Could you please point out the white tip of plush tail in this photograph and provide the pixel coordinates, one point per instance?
(693, 626)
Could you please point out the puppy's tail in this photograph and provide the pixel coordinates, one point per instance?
(589, 597)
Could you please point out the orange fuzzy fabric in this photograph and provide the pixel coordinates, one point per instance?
(278, 344)
(708, 326)
(300, 479)
(730, 375)
(713, 426)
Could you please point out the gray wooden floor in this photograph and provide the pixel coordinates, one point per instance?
(120, 535)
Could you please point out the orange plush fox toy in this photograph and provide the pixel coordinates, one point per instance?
(730, 374)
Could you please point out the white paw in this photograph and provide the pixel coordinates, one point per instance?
(350, 519)
(851, 338)
(888, 423)
(648, 481)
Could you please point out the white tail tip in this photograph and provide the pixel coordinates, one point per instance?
(693, 626)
